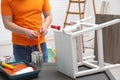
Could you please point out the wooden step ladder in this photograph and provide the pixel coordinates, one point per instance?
(80, 13)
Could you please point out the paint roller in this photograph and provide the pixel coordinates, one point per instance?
(25, 70)
(71, 28)
(76, 26)
(8, 66)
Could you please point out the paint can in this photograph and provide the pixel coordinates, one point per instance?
(37, 59)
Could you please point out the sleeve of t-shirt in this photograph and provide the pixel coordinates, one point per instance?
(5, 8)
(46, 6)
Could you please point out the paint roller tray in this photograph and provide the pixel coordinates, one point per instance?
(24, 76)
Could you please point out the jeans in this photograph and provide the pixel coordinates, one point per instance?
(24, 52)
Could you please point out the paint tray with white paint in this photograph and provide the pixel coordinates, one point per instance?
(23, 71)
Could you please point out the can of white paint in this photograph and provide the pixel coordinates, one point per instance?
(37, 59)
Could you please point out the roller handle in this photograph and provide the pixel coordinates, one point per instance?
(55, 27)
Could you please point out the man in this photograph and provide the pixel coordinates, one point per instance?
(24, 19)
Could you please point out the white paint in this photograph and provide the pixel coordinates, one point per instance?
(25, 70)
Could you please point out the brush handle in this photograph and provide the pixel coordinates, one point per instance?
(39, 47)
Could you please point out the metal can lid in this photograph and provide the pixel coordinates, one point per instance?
(36, 53)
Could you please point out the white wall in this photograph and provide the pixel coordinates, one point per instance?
(5, 39)
(115, 7)
(5, 34)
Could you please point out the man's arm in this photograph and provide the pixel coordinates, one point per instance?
(10, 25)
(46, 23)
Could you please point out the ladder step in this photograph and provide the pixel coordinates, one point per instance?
(76, 1)
(69, 12)
(67, 23)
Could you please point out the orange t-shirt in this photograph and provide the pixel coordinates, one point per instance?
(27, 14)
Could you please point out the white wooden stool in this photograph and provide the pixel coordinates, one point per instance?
(69, 49)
